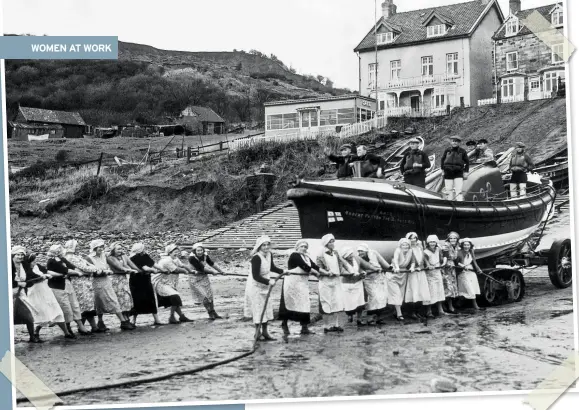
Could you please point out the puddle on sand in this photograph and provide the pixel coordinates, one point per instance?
(517, 318)
(559, 313)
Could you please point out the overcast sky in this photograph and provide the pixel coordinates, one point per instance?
(313, 36)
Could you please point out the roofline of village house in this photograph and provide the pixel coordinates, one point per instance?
(319, 99)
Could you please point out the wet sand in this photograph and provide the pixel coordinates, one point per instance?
(509, 347)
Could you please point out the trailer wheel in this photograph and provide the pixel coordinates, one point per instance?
(518, 283)
(559, 264)
(489, 295)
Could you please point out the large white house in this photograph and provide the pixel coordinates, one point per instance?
(431, 59)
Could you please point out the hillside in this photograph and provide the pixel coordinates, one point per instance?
(147, 85)
(214, 192)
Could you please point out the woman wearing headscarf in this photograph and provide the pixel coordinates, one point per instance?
(375, 284)
(62, 288)
(402, 263)
(33, 301)
(82, 284)
(433, 260)
(353, 286)
(295, 294)
(142, 292)
(105, 298)
(417, 291)
(166, 281)
(122, 266)
(257, 287)
(331, 293)
(199, 283)
(466, 270)
(450, 253)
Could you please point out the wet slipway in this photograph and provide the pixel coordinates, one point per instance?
(509, 347)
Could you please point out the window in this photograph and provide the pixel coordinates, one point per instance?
(395, 67)
(438, 101)
(512, 27)
(391, 100)
(290, 121)
(512, 87)
(552, 80)
(512, 61)
(557, 53)
(427, 66)
(385, 38)
(274, 122)
(534, 84)
(434, 31)
(452, 63)
(328, 117)
(557, 17)
(346, 116)
(372, 75)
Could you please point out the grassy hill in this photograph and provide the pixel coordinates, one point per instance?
(147, 85)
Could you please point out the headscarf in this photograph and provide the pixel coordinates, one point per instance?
(259, 242)
(114, 246)
(327, 238)
(411, 234)
(18, 249)
(170, 248)
(404, 241)
(197, 246)
(96, 243)
(405, 259)
(363, 248)
(453, 235)
(347, 252)
(301, 242)
(432, 238)
(70, 246)
(137, 248)
(462, 241)
(54, 251)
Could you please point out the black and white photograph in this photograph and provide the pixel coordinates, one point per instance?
(263, 200)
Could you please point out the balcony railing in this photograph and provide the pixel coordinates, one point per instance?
(423, 80)
(513, 98)
(412, 112)
(536, 95)
(487, 101)
(539, 95)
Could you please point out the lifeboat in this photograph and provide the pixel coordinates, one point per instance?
(379, 212)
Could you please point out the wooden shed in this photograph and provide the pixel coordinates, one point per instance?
(30, 132)
(202, 120)
(72, 123)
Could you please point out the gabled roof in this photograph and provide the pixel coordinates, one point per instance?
(390, 26)
(436, 13)
(51, 116)
(35, 126)
(205, 114)
(465, 17)
(545, 11)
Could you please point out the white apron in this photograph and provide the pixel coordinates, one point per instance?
(376, 286)
(296, 290)
(468, 286)
(256, 294)
(353, 292)
(330, 288)
(434, 278)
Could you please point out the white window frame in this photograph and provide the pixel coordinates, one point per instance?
(557, 17)
(386, 38)
(436, 30)
(427, 61)
(510, 84)
(395, 68)
(439, 101)
(452, 63)
(556, 57)
(512, 27)
(536, 80)
(516, 60)
(372, 82)
(551, 81)
(391, 101)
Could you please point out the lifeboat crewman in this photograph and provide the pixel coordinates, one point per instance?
(414, 165)
(521, 163)
(483, 153)
(372, 165)
(470, 146)
(343, 160)
(455, 165)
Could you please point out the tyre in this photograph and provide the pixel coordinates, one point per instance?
(559, 264)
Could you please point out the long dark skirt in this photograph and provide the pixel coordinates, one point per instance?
(169, 301)
(143, 294)
(22, 314)
(285, 314)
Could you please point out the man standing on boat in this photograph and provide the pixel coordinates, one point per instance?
(414, 165)
(483, 153)
(521, 163)
(372, 165)
(455, 165)
(343, 160)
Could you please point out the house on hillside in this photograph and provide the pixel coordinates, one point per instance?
(526, 67)
(429, 60)
(27, 132)
(71, 122)
(202, 120)
(317, 114)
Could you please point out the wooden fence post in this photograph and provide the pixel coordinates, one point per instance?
(188, 154)
(100, 163)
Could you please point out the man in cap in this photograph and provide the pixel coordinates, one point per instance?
(414, 165)
(455, 165)
(372, 165)
(521, 163)
(470, 146)
(343, 160)
(483, 153)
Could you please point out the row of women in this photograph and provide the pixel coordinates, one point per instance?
(354, 281)
(81, 288)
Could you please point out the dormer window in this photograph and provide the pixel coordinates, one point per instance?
(512, 27)
(386, 38)
(436, 31)
(557, 17)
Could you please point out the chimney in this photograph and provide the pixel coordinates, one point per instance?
(388, 8)
(515, 6)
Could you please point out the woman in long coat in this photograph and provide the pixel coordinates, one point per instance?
(295, 294)
(330, 288)
(142, 291)
(122, 266)
(466, 269)
(402, 263)
(417, 291)
(375, 284)
(199, 283)
(450, 252)
(257, 287)
(433, 261)
(105, 298)
(353, 285)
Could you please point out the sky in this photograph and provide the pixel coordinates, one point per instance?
(313, 36)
